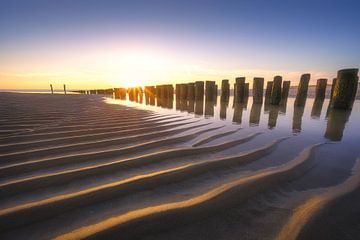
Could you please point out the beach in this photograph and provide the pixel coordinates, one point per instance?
(82, 166)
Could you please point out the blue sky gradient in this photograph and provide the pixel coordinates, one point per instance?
(289, 36)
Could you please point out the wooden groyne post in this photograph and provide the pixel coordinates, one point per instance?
(225, 90)
(246, 91)
(52, 90)
(199, 90)
(239, 90)
(64, 89)
(268, 90)
(177, 91)
(345, 88)
(320, 89)
(191, 91)
(302, 90)
(285, 91)
(258, 90)
(276, 91)
(183, 91)
(209, 90)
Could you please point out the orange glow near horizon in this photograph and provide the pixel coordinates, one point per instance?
(125, 67)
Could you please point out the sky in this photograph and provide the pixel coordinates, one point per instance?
(90, 44)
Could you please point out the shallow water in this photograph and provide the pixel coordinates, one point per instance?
(88, 166)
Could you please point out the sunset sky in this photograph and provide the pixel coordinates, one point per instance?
(106, 43)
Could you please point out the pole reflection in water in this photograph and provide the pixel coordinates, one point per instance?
(238, 111)
(191, 106)
(277, 118)
(209, 109)
(297, 118)
(152, 100)
(223, 109)
(316, 108)
(336, 121)
(273, 115)
(183, 105)
(282, 106)
(199, 107)
(255, 114)
(267, 106)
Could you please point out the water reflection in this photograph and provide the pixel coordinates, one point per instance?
(223, 109)
(255, 114)
(297, 119)
(336, 122)
(209, 108)
(316, 109)
(272, 117)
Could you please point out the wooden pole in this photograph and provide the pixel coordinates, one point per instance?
(239, 90)
(191, 91)
(268, 90)
(64, 89)
(345, 88)
(276, 91)
(258, 90)
(209, 90)
(225, 90)
(199, 90)
(52, 90)
(302, 90)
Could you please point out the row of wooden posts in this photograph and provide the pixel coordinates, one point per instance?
(343, 90)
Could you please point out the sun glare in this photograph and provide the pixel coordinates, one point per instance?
(135, 68)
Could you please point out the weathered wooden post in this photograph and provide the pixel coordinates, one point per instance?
(191, 91)
(171, 91)
(199, 107)
(52, 90)
(239, 90)
(177, 91)
(284, 96)
(158, 91)
(331, 97)
(117, 93)
(332, 88)
(215, 93)
(183, 91)
(268, 91)
(209, 90)
(247, 90)
(258, 90)
(191, 106)
(285, 91)
(303, 86)
(345, 88)
(255, 114)
(64, 89)
(225, 90)
(164, 92)
(276, 91)
(199, 90)
(320, 89)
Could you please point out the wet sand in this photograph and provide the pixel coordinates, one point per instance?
(76, 167)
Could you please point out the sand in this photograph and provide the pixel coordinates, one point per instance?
(76, 167)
